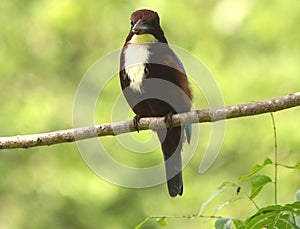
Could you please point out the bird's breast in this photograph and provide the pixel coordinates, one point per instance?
(136, 57)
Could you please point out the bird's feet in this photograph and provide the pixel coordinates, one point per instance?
(136, 120)
(169, 120)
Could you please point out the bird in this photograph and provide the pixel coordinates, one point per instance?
(155, 84)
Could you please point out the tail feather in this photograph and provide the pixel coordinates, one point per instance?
(188, 132)
(171, 144)
(174, 175)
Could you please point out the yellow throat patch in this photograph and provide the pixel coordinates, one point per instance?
(142, 39)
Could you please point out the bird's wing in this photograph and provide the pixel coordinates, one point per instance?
(188, 127)
(179, 62)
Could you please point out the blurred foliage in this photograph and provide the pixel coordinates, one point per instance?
(252, 49)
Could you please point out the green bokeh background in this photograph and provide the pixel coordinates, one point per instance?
(251, 47)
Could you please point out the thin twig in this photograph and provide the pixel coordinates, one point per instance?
(198, 116)
(253, 202)
(176, 217)
(276, 159)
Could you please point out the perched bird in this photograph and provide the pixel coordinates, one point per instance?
(155, 84)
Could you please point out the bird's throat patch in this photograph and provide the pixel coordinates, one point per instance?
(142, 39)
(136, 57)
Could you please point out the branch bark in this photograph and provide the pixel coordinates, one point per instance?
(197, 116)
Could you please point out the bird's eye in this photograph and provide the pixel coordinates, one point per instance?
(131, 22)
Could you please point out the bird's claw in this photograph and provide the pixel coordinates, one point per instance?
(136, 121)
(169, 120)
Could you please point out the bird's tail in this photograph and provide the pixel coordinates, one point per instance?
(171, 144)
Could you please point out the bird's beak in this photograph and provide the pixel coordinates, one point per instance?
(140, 28)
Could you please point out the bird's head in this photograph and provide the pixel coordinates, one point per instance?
(145, 28)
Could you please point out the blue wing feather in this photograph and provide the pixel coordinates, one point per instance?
(188, 132)
(180, 63)
(188, 127)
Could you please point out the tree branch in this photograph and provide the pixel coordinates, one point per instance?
(198, 116)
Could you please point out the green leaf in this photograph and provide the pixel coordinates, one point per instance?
(294, 207)
(297, 166)
(239, 224)
(257, 183)
(223, 223)
(162, 221)
(224, 186)
(258, 221)
(274, 216)
(272, 208)
(260, 224)
(141, 223)
(256, 169)
(225, 204)
(284, 222)
(268, 161)
(298, 216)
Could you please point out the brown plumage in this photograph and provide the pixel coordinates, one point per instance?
(154, 83)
